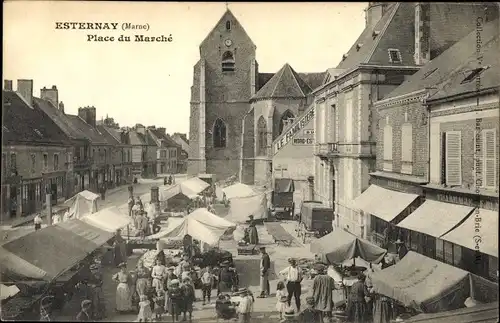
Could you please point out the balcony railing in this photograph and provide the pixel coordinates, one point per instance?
(82, 162)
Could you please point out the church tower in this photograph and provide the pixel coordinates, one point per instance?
(224, 80)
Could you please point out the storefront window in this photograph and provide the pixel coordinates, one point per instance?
(439, 250)
(448, 252)
(493, 268)
(414, 241)
(457, 255)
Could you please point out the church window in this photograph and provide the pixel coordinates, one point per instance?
(219, 134)
(262, 137)
(228, 25)
(228, 62)
(286, 119)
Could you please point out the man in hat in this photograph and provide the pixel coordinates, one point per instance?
(245, 308)
(265, 264)
(401, 249)
(84, 314)
(323, 286)
(225, 279)
(310, 314)
(253, 235)
(293, 276)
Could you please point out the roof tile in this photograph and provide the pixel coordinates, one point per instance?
(90, 133)
(285, 83)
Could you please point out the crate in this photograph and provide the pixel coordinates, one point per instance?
(248, 250)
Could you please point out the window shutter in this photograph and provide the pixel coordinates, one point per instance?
(479, 160)
(348, 118)
(489, 158)
(406, 143)
(388, 142)
(453, 158)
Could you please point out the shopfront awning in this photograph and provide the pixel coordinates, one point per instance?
(486, 236)
(87, 231)
(435, 218)
(52, 249)
(383, 203)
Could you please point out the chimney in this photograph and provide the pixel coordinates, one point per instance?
(25, 89)
(140, 128)
(7, 85)
(50, 95)
(124, 137)
(422, 52)
(374, 13)
(162, 130)
(88, 114)
(61, 106)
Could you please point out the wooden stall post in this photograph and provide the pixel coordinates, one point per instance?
(48, 201)
(155, 198)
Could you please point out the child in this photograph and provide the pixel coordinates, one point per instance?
(145, 313)
(188, 298)
(281, 295)
(245, 308)
(207, 281)
(159, 301)
(174, 299)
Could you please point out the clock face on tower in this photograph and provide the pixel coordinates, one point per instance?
(228, 42)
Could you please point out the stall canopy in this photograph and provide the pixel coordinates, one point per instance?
(340, 245)
(109, 219)
(462, 235)
(242, 207)
(82, 204)
(87, 231)
(428, 285)
(393, 203)
(193, 186)
(238, 190)
(283, 185)
(211, 220)
(435, 218)
(172, 223)
(195, 229)
(8, 291)
(167, 193)
(12, 265)
(484, 313)
(52, 249)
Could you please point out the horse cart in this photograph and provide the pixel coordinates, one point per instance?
(315, 220)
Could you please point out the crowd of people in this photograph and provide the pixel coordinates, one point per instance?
(145, 217)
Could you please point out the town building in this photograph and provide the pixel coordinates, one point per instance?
(437, 156)
(167, 153)
(82, 161)
(182, 140)
(121, 155)
(225, 91)
(398, 39)
(143, 152)
(36, 154)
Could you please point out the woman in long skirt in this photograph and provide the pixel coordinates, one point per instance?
(123, 291)
(143, 278)
(382, 311)
(158, 275)
(120, 249)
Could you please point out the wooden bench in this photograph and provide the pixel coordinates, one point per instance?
(279, 234)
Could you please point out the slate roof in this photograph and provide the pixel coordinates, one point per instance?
(263, 79)
(117, 135)
(228, 15)
(110, 139)
(452, 65)
(23, 124)
(167, 140)
(91, 134)
(286, 83)
(139, 139)
(314, 80)
(62, 120)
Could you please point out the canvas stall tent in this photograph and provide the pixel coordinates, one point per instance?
(87, 231)
(172, 223)
(238, 190)
(209, 219)
(428, 285)
(242, 207)
(484, 313)
(82, 204)
(109, 219)
(52, 249)
(8, 291)
(174, 197)
(14, 266)
(193, 186)
(195, 229)
(340, 245)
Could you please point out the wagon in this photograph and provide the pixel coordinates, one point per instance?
(315, 220)
(282, 197)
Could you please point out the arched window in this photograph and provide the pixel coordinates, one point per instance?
(261, 137)
(286, 119)
(219, 134)
(228, 25)
(227, 62)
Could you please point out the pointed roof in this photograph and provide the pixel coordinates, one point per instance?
(286, 83)
(228, 15)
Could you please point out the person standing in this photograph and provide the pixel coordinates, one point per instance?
(95, 283)
(402, 250)
(130, 204)
(282, 297)
(253, 235)
(356, 310)
(265, 265)
(143, 278)
(84, 314)
(158, 275)
(310, 314)
(225, 279)
(38, 221)
(120, 249)
(123, 292)
(207, 281)
(294, 278)
(245, 307)
(323, 287)
(188, 293)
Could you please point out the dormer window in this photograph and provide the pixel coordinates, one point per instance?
(344, 57)
(358, 46)
(228, 25)
(375, 34)
(394, 56)
(474, 74)
(228, 62)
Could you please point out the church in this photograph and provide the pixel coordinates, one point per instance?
(236, 111)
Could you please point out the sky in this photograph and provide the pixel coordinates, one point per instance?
(149, 83)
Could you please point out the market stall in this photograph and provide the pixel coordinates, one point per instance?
(408, 282)
(242, 207)
(109, 219)
(82, 204)
(238, 190)
(194, 186)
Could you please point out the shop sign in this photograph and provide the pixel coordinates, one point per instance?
(455, 199)
(293, 130)
(303, 141)
(309, 132)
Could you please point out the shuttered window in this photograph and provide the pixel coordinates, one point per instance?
(453, 158)
(388, 148)
(439, 249)
(406, 148)
(489, 158)
(348, 118)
